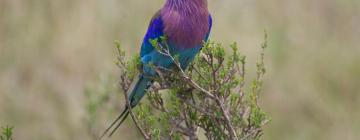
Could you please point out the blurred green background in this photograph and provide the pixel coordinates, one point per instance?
(50, 50)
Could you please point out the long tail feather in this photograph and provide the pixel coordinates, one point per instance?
(122, 116)
(119, 124)
(137, 91)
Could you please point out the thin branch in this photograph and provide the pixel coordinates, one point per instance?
(146, 137)
(254, 131)
(198, 72)
(184, 75)
(227, 120)
(203, 111)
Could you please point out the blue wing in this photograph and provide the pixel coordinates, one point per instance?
(210, 26)
(149, 55)
(155, 30)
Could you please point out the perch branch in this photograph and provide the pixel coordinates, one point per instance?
(146, 137)
(227, 120)
(184, 75)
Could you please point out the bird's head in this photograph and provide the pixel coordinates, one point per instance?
(186, 3)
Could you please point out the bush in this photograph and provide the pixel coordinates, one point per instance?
(210, 98)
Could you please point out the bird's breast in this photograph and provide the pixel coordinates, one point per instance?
(186, 30)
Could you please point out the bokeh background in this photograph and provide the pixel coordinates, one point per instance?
(52, 50)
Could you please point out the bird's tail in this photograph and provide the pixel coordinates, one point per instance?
(136, 92)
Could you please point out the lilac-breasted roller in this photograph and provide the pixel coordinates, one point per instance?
(186, 24)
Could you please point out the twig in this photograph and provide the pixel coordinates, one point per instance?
(146, 137)
(184, 75)
(202, 111)
(254, 131)
(227, 120)
(198, 72)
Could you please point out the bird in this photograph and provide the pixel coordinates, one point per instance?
(186, 24)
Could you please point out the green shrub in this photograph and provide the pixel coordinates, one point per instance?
(209, 98)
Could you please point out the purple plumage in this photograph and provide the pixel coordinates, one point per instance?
(185, 21)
